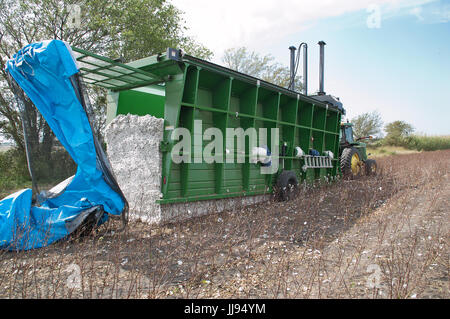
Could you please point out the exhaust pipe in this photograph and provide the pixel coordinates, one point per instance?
(321, 67)
(294, 66)
(305, 69)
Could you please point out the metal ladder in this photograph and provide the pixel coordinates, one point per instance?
(316, 162)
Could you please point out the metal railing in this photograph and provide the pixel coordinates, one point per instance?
(316, 162)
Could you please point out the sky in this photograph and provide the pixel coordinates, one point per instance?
(390, 56)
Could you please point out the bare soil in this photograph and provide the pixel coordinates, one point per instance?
(385, 236)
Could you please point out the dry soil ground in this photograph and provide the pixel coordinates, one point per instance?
(374, 237)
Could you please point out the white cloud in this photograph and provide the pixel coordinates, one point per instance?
(441, 13)
(417, 12)
(223, 24)
(431, 11)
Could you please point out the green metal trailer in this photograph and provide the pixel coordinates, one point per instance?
(182, 89)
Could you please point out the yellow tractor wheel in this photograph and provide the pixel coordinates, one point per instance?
(356, 165)
(350, 163)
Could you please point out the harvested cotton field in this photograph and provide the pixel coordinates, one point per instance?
(373, 237)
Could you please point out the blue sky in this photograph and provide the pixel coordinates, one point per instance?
(399, 66)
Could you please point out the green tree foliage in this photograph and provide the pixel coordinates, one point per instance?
(428, 143)
(14, 172)
(366, 124)
(140, 28)
(397, 133)
(129, 29)
(263, 67)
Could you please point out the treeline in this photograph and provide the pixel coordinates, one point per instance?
(419, 142)
(398, 133)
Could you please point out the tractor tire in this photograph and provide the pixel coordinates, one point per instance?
(371, 167)
(287, 185)
(350, 163)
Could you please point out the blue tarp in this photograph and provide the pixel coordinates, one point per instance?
(43, 70)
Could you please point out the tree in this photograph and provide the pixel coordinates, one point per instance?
(129, 29)
(140, 28)
(397, 133)
(263, 67)
(366, 124)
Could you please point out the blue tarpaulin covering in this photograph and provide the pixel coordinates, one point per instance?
(43, 70)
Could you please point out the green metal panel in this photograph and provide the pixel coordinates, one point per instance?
(221, 100)
(196, 90)
(174, 93)
(143, 101)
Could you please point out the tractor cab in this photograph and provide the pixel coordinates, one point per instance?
(346, 134)
(353, 155)
(347, 139)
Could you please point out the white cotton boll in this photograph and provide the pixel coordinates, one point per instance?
(330, 154)
(259, 154)
(299, 152)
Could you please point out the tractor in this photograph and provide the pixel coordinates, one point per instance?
(353, 155)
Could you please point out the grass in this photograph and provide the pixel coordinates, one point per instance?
(9, 185)
(409, 145)
(429, 143)
(12, 185)
(388, 151)
(320, 245)
(15, 174)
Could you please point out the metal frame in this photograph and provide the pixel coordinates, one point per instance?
(221, 97)
(110, 74)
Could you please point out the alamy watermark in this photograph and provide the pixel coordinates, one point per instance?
(74, 16)
(74, 279)
(374, 279)
(373, 21)
(189, 148)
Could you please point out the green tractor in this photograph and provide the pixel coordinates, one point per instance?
(353, 155)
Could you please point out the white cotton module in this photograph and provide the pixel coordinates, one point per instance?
(133, 150)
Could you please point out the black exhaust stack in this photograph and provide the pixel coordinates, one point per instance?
(321, 67)
(305, 68)
(330, 100)
(292, 68)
